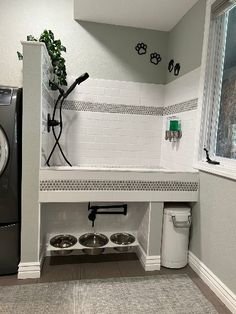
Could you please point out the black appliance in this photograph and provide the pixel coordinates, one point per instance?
(10, 178)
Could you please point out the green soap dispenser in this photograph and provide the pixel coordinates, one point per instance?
(173, 129)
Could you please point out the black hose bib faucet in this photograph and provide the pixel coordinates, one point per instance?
(94, 211)
(52, 123)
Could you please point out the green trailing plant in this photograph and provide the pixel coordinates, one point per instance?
(55, 49)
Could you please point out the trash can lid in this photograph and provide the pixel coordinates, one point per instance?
(177, 211)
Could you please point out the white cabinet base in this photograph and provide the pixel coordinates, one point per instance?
(29, 270)
(149, 263)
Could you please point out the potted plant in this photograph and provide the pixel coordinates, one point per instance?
(55, 49)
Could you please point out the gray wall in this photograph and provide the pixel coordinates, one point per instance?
(102, 50)
(213, 238)
(186, 39)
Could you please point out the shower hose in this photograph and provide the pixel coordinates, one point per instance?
(60, 100)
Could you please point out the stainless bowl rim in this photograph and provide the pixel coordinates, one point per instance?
(96, 234)
(130, 236)
(68, 237)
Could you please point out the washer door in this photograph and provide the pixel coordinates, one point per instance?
(4, 151)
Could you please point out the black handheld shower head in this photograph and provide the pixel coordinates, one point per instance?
(82, 78)
(78, 81)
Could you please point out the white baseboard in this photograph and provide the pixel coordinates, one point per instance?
(31, 269)
(214, 283)
(149, 263)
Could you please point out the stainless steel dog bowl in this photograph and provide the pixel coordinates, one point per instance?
(123, 240)
(94, 242)
(63, 241)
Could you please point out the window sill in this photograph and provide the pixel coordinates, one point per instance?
(222, 170)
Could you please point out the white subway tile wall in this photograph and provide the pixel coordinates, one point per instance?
(72, 218)
(102, 139)
(179, 155)
(111, 123)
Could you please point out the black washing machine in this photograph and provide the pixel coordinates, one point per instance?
(10, 178)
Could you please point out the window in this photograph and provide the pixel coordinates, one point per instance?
(220, 86)
(226, 128)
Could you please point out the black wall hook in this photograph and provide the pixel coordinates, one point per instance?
(209, 160)
(51, 123)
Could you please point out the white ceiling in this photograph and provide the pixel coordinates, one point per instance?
(161, 15)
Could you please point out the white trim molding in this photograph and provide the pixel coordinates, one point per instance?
(149, 263)
(210, 80)
(29, 270)
(219, 170)
(212, 65)
(214, 283)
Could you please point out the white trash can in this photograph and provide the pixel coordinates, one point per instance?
(175, 235)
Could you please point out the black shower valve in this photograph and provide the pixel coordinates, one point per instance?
(51, 123)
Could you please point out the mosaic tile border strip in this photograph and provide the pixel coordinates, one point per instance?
(112, 108)
(115, 185)
(127, 109)
(191, 104)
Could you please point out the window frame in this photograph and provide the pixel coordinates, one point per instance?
(209, 95)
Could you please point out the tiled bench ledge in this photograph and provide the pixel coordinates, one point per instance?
(91, 185)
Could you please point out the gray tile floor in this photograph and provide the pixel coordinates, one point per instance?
(61, 268)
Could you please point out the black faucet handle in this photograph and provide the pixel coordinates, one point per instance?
(92, 216)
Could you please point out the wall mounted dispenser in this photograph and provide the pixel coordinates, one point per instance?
(173, 129)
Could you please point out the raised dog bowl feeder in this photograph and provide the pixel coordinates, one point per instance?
(94, 243)
(122, 239)
(63, 241)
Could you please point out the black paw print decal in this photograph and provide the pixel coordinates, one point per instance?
(171, 65)
(141, 48)
(177, 69)
(155, 58)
